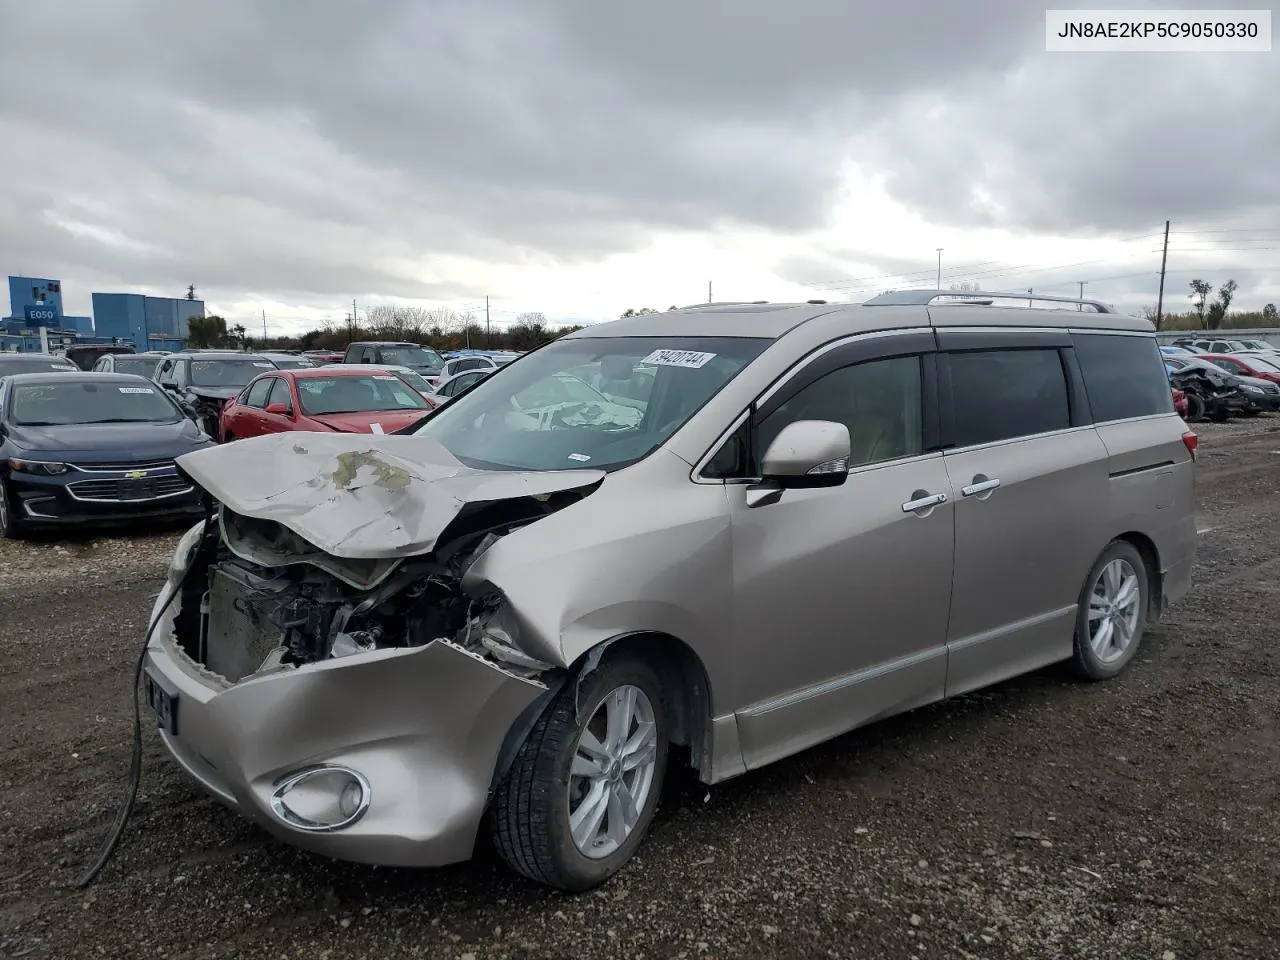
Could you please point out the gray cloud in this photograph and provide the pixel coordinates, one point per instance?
(1084, 144)
(312, 151)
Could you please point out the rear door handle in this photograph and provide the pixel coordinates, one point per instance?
(924, 503)
(979, 486)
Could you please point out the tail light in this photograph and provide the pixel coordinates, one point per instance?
(1191, 442)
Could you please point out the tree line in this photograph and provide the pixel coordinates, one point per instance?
(445, 329)
(441, 329)
(1213, 312)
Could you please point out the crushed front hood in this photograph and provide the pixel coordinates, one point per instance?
(361, 496)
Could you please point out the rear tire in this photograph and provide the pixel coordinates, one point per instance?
(1112, 614)
(573, 765)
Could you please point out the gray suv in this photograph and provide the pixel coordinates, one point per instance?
(812, 516)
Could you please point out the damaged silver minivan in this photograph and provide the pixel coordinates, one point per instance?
(740, 529)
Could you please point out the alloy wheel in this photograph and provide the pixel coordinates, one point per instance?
(1114, 610)
(613, 772)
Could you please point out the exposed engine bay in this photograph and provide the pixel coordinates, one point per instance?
(258, 598)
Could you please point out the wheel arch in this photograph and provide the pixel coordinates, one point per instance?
(1155, 575)
(685, 683)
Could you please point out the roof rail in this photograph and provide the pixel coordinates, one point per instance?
(981, 297)
(721, 303)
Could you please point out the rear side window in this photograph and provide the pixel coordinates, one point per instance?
(1004, 394)
(1124, 376)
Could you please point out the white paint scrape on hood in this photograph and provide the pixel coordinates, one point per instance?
(361, 496)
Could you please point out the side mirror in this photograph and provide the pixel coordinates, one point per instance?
(278, 409)
(808, 453)
(189, 410)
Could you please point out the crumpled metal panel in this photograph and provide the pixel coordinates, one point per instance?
(361, 496)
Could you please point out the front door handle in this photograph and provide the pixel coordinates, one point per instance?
(980, 485)
(924, 501)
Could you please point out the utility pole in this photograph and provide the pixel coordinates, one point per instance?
(1164, 259)
(1029, 291)
(708, 291)
(264, 327)
(488, 334)
(939, 285)
(1080, 306)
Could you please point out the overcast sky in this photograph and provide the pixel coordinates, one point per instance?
(578, 158)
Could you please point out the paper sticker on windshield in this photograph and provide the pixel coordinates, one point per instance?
(375, 428)
(679, 358)
(580, 457)
(380, 377)
(266, 366)
(135, 390)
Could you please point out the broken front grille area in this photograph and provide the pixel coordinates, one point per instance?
(243, 620)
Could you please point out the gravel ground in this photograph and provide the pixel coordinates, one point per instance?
(1133, 819)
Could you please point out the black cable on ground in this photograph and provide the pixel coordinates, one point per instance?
(135, 763)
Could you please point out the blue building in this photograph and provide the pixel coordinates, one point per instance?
(149, 323)
(158, 323)
(35, 293)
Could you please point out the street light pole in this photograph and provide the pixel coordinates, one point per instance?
(939, 286)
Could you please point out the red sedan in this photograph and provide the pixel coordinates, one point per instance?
(1244, 366)
(321, 399)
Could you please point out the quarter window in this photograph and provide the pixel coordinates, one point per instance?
(1003, 394)
(1123, 376)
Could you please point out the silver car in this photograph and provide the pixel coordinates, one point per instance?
(812, 516)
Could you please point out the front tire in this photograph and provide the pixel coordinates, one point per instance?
(1195, 408)
(584, 787)
(9, 527)
(1112, 615)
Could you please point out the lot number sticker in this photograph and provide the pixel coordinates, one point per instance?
(679, 358)
(135, 390)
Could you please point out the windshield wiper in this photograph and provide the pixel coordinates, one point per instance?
(124, 420)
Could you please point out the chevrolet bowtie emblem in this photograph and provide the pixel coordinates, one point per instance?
(135, 474)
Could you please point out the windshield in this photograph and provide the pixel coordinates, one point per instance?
(226, 373)
(361, 394)
(413, 380)
(413, 357)
(142, 366)
(593, 402)
(293, 363)
(100, 401)
(1262, 363)
(51, 365)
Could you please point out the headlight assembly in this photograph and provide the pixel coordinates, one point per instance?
(42, 468)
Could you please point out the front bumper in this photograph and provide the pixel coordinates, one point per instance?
(424, 725)
(1264, 402)
(102, 497)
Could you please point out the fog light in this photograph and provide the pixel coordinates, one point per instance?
(321, 799)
